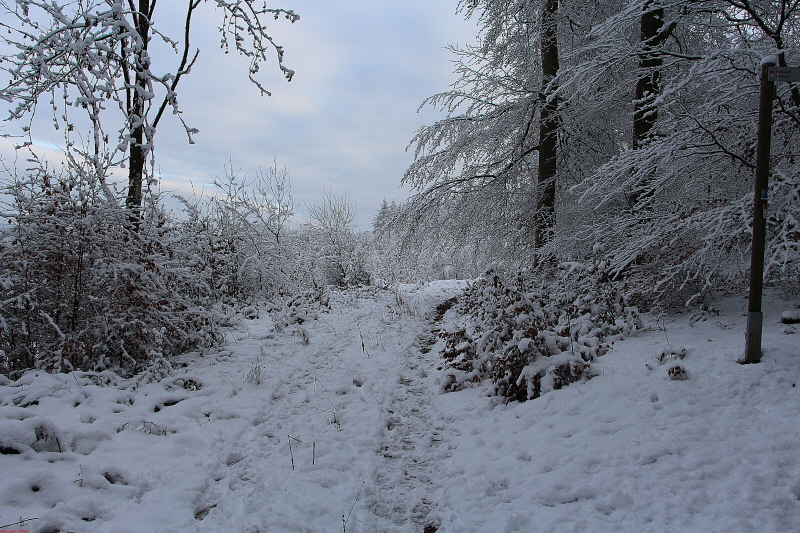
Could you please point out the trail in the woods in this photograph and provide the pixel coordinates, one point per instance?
(335, 422)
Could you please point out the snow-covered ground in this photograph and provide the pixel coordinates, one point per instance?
(338, 424)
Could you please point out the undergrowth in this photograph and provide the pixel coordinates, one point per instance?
(528, 336)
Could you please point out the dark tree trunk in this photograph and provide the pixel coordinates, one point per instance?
(136, 118)
(648, 87)
(653, 34)
(136, 162)
(548, 129)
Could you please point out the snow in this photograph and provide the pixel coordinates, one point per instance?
(340, 419)
(791, 317)
(769, 60)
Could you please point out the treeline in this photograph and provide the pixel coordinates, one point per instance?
(86, 285)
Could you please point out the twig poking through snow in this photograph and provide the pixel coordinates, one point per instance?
(290, 439)
(345, 520)
(21, 522)
(335, 411)
(363, 344)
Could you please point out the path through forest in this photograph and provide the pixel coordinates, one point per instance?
(343, 433)
(331, 420)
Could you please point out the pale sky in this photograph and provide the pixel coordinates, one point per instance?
(362, 67)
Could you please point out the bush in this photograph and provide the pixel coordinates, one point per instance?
(529, 336)
(86, 284)
(81, 289)
(235, 241)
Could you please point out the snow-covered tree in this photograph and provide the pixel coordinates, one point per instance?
(504, 156)
(653, 107)
(487, 150)
(97, 55)
(672, 208)
(339, 251)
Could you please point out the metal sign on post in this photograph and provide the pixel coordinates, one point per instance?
(790, 74)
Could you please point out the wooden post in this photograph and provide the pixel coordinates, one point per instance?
(752, 352)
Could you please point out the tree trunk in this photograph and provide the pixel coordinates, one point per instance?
(548, 129)
(648, 86)
(652, 36)
(136, 116)
(136, 160)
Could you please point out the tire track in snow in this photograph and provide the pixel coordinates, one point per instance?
(409, 473)
(243, 488)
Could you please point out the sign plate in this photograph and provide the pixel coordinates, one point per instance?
(783, 74)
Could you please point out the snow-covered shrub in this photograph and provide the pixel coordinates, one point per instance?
(80, 288)
(337, 255)
(35, 432)
(256, 373)
(677, 373)
(530, 336)
(303, 306)
(236, 241)
(783, 248)
(158, 370)
(209, 247)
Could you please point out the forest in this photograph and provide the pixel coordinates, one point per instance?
(620, 135)
(543, 336)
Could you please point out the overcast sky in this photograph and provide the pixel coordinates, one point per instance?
(362, 67)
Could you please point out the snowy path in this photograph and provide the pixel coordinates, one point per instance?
(356, 387)
(408, 474)
(292, 429)
(355, 403)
